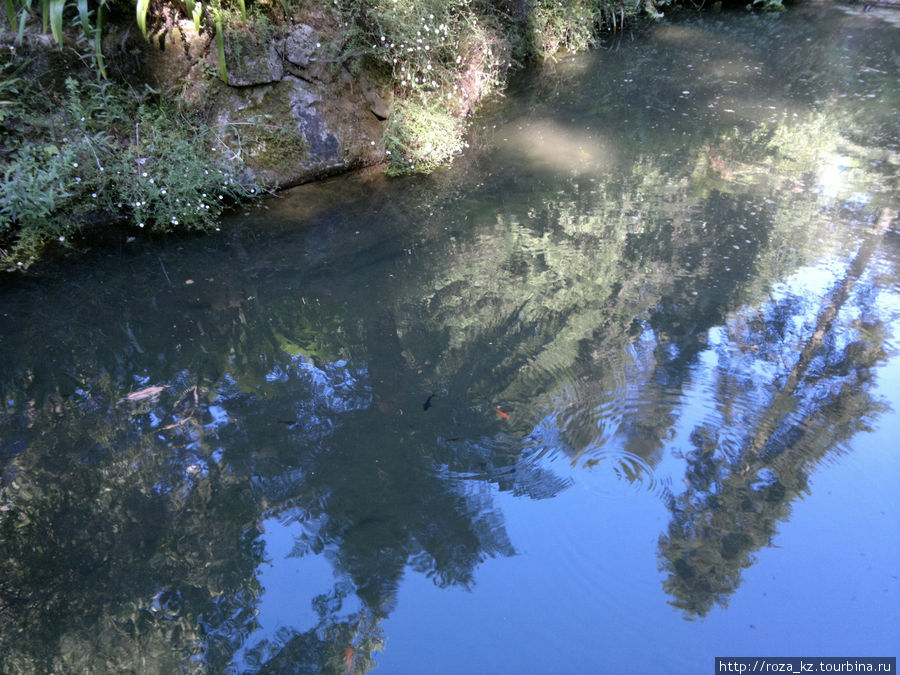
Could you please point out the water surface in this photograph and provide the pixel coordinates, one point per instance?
(616, 392)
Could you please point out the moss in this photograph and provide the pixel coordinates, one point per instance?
(277, 149)
(262, 134)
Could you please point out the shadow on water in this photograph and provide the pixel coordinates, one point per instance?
(697, 227)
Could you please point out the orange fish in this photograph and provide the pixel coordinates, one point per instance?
(501, 413)
(348, 657)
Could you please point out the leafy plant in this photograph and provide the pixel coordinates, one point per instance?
(422, 136)
(103, 156)
(91, 21)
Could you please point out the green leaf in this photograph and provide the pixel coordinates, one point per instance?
(85, 17)
(243, 9)
(56, 19)
(141, 9)
(23, 17)
(220, 45)
(45, 15)
(98, 40)
(11, 13)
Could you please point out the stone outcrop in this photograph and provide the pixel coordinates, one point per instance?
(292, 110)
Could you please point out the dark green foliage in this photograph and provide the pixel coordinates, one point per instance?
(103, 156)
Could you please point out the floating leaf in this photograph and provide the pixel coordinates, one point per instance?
(141, 394)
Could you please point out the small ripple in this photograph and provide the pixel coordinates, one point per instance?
(608, 472)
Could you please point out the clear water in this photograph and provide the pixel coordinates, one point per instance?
(614, 393)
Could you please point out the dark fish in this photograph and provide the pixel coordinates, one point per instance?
(427, 404)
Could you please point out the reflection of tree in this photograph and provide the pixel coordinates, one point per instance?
(106, 558)
(738, 492)
(295, 383)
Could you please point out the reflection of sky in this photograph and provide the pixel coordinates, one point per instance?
(584, 593)
(289, 585)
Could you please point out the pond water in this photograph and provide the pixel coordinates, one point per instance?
(616, 392)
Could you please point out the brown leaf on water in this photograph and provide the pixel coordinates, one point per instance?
(145, 393)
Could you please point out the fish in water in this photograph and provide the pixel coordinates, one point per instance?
(501, 413)
(427, 403)
(348, 659)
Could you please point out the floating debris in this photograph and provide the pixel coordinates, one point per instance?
(142, 394)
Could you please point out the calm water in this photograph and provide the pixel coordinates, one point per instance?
(617, 392)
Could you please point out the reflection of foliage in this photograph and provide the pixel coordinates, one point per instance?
(111, 551)
(334, 646)
(575, 296)
(740, 488)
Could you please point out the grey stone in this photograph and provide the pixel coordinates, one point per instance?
(300, 45)
(379, 98)
(251, 60)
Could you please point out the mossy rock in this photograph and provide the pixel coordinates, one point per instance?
(277, 132)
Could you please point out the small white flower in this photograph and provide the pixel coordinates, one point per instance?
(62, 238)
(144, 174)
(75, 164)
